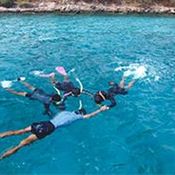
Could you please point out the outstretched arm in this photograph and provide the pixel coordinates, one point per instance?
(47, 110)
(103, 108)
(23, 143)
(113, 102)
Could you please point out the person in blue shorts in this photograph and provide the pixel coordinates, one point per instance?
(42, 129)
(39, 95)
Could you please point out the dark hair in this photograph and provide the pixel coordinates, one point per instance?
(76, 91)
(56, 98)
(98, 99)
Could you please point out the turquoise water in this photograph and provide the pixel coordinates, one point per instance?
(136, 137)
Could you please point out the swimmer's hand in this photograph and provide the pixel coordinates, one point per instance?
(104, 108)
(49, 113)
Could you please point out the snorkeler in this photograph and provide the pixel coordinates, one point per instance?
(66, 86)
(120, 89)
(42, 129)
(102, 96)
(38, 94)
(115, 89)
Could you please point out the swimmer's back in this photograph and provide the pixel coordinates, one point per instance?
(65, 86)
(65, 118)
(116, 89)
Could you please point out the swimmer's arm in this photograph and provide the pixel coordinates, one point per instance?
(113, 102)
(130, 85)
(103, 108)
(47, 110)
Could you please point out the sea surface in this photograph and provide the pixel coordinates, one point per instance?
(135, 137)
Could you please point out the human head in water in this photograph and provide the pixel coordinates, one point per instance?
(100, 97)
(76, 92)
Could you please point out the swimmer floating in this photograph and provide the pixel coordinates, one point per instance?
(42, 129)
(37, 94)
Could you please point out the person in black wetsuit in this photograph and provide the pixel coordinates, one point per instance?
(120, 89)
(38, 94)
(66, 86)
(115, 89)
(101, 96)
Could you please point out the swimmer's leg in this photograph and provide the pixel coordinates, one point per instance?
(130, 84)
(25, 142)
(53, 79)
(122, 82)
(29, 86)
(12, 91)
(66, 78)
(17, 132)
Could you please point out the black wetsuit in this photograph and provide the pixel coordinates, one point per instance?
(65, 86)
(40, 95)
(107, 96)
(116, 89)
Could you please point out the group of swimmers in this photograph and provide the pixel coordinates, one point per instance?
(64, 89)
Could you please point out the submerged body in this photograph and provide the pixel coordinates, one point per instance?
(39, 95)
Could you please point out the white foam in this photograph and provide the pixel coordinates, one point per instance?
(37, 72)
(22, 78)
(6, 84)
(156, 78)
(140, 71)
(71, 71)
(120, 68)
(135, 70)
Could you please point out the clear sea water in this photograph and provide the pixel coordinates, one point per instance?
(136, 137)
